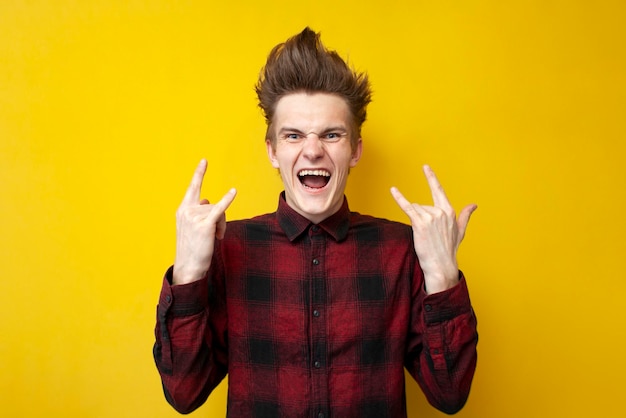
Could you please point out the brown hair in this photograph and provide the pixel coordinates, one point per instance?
(303, 64)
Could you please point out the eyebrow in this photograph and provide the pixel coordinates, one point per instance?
(288, 129)
(339, 128)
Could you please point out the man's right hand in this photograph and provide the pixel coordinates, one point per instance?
(198, 223)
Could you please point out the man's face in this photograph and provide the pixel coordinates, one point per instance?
(313, 152)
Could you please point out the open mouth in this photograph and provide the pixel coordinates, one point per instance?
(314, 179)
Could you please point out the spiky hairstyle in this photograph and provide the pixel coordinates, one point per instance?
(303, 64)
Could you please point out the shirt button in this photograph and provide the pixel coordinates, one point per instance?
(168, 298)
(428, 308)
(317, 364)
(320, 415)
(316, 261)
(316, 313)
(315, 228)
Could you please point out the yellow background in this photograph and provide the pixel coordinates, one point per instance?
(107, 106)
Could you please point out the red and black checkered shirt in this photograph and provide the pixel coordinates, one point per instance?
(315, 321)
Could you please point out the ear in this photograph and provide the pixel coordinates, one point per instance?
(271, 153)
(356, 154)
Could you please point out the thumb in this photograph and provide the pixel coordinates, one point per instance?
(464, 218)
(220, 228)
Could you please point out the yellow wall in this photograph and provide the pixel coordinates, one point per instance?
(106, 107)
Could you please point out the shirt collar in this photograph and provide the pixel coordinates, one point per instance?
(294, 224)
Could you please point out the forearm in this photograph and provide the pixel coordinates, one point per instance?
(185, 351)
(443, 359)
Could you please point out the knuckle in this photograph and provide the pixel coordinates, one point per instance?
(451, 213)
(428, 217)
(182, 211)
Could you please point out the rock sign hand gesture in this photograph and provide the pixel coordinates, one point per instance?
(437, 234)
(198, 223)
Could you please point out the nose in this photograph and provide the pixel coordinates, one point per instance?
(313, 147)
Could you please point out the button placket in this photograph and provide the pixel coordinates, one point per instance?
(318, 304)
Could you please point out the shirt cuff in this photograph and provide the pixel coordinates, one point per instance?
(185, 299)
(446, 305)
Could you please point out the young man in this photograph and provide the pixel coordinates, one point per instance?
(314, 310)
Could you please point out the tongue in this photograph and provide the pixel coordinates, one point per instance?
(315, 182)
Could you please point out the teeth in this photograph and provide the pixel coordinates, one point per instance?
(314, 173)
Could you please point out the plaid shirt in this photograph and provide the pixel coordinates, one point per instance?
(314, 321)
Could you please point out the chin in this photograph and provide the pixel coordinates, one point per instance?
(317, 209)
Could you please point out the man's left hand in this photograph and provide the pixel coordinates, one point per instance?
(437, 234)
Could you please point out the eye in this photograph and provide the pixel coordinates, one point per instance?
(332, 137)
(291, 137)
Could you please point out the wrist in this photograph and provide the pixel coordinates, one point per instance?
(182, 275)
(435, 283)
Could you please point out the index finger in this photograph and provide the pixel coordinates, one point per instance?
(192, 196)
(223, 204)
(404, 204)
(436, 190)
